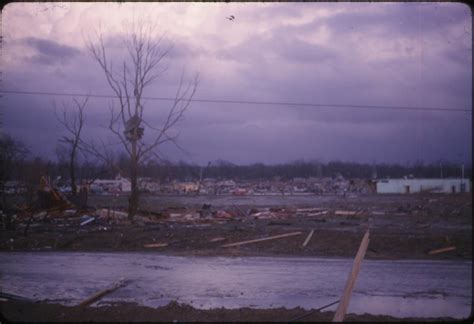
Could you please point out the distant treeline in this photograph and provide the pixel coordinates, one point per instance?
(33, 169)
(226, 170)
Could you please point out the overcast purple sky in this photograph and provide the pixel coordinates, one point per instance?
(379, 54)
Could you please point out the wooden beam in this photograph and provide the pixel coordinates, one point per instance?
(102, 293)
(344, 213)
(262, 239)
(346, 296)
(308, 238)
(217, 239)
(446, 249)
(155, 245)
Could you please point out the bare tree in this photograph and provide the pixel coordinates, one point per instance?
(128, 82)
(12, 152)
(73, 123)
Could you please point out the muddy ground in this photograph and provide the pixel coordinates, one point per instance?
(401, 227)
(174, 312)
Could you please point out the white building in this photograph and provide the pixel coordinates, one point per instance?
(401, 186)
(118, 185)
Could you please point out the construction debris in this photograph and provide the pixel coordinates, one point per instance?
(102, 293)
(49, 197)
(309, 210)
(217, 239)
(346, 296)
(262, 239)
(111, 214)
(5, 296)
(87, 220)
(155, 245)
(344, 213)
(307, 239)
(321, 213)
(70, 212)
(446, 249)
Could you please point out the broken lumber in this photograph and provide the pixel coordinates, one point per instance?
(344, 213)
(87, 221)
(109, 213)
(262, 239)
(324, 212)
(155, 245)
(346, 296)
(6, 296)
(217, 239)
(446, 249)
(102, 293)
(308, 210)
(308, 238)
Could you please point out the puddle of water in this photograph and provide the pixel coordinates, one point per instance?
(454, 307)
(406, 288)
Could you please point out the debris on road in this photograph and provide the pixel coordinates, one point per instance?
(102, 293)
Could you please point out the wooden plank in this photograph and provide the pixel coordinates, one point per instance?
(344, 213)
(262, 239)
(308, 238)
(155, 245)
(446, 249)
(346, 296)
(6, 297)
(217, 239)
(102, 293)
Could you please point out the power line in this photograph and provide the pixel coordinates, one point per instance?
(246, 102)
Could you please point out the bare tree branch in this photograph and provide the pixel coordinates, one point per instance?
(146, 54)
(73, 123)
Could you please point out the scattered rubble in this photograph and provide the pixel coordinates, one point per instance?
(403, 226)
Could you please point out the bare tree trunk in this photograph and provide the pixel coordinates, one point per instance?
(74, 124)
(72, 174)
(134, 196)
(128, 82)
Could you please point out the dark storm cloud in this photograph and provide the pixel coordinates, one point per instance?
(49, 52)
(374, 54)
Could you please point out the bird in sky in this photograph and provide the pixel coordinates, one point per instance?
(231, 17)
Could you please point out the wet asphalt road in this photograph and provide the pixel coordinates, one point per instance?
(406, 288)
